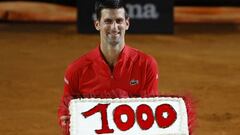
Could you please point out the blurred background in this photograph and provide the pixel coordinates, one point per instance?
(196, 44)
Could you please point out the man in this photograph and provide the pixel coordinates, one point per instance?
(112, 70)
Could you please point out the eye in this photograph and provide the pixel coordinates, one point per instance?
(119, 21)
(108, 21)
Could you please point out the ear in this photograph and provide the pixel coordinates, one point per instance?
(97, 25)
(127, 23)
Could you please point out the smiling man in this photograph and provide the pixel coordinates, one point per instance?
(112, 69)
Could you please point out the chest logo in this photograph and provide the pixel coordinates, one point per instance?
(134, 82)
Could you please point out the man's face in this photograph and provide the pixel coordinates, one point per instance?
(112, 26)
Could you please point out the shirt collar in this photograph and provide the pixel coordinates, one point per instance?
(123, 54)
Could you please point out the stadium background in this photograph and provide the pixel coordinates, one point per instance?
(201, 59)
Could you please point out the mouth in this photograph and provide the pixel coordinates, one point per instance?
(114, 35)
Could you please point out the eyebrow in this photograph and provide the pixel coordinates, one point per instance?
(118, 18)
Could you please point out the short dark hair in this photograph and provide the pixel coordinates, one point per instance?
(111, 4)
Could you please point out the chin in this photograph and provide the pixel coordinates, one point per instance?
(114, 42)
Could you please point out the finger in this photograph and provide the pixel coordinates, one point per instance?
(65, 130)
(64, 120)
(64, 117)
(63, 123)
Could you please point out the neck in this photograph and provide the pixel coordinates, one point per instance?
(111, 53)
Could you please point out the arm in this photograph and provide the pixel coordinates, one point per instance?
(63, 112)
(70, 83)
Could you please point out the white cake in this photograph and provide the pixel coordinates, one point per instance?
(130, 116)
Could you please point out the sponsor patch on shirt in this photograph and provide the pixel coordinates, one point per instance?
(134, 82)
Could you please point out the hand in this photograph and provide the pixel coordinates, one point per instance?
(64, 122)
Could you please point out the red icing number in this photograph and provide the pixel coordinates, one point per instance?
(165, 116)
(145, 109)
(121, 110)
(170, 115)
(102, 108)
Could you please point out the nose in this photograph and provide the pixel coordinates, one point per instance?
(114, 25)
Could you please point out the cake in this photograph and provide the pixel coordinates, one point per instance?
(129, 116)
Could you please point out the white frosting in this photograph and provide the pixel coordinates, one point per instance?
(87, 126)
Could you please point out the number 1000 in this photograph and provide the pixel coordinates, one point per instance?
(165, 116)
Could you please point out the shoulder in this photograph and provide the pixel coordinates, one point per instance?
(82, 62)
(140, 56)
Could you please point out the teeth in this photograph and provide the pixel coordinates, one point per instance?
(115, 34)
